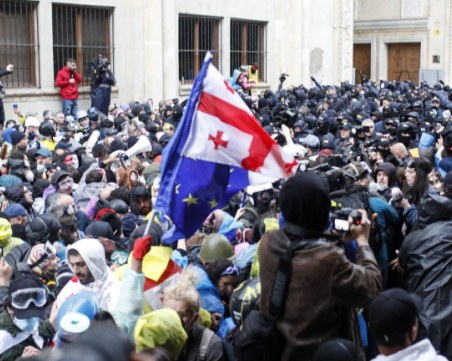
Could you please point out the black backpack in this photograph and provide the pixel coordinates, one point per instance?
(258, 339)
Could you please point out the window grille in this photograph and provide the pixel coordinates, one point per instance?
(197, 35)
(18, 43)
(248, 45)
(81, 33)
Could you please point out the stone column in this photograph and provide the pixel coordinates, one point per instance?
(169, 49)
(345, 40)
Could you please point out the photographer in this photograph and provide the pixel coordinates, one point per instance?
(8, 70)
(68, 80)
(102, 80)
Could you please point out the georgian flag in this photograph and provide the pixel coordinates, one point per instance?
(217, 150)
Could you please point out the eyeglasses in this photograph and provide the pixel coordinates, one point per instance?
(231, 270)
(22, 299)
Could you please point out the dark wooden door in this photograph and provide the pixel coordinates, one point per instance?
(361, 61)
(404, 61)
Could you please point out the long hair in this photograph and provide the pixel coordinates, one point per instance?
(414, 193)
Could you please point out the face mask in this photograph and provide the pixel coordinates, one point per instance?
(381, 187)
(41, 168)
(27, 324)
(30, 177)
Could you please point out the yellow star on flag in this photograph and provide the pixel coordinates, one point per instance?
(190, 200)
(213, 203)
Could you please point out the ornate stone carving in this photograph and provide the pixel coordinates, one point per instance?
(345, 40)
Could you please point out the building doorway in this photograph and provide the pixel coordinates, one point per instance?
(361, 61)
(404, 61)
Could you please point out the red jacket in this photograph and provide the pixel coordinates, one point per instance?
(68, 91)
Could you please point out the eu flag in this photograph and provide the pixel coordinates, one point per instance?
(210, 157)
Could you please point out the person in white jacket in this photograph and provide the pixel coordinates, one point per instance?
(394, 324)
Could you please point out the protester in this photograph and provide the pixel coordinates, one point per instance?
(68, 80)
(8, 70)
(394, 322)
(80, 190)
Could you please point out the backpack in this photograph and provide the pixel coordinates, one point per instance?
(258, 339)
(205, 341)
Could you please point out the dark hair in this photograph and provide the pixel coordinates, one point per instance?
(422, 167)
(72, 252)
(120, 193)
(216, 268)
(93, 176)
(70, 60)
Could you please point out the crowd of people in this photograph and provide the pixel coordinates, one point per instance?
(346, 260)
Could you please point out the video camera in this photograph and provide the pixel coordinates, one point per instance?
(99, 64)
(339, 218)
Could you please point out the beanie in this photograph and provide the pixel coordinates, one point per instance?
(16, 137)
(304, 201)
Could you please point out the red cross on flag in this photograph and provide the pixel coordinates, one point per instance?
(225, 131)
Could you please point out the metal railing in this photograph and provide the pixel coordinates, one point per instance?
(248, 45)
(197, 35)
(81, 33)
(18, 43)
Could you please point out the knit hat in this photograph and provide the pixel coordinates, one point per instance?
(15, 193)
(16, 137)
(8, 180)
(304, 201)
(15, 210)
(39, 260)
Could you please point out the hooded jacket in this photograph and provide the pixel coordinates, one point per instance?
(420, 351)
(68, 91)
(425, 256)
(105, 285)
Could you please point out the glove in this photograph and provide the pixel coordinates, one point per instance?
(141, 247)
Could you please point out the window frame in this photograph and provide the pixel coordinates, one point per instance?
(197, 54)
(245, 52)
(17, 79)
(81, 52)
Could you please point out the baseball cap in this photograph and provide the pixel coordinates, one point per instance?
(27, 297)
(346, 125)
(392, 313)
(44, 152)
(310, 141)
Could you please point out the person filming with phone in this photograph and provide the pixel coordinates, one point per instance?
(4, 71)
(68, 79)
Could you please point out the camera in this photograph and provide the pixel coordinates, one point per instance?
(99, 64)
(340, 218)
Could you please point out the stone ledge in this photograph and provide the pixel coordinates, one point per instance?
(184, 90)
(25, 94)
(398, 24)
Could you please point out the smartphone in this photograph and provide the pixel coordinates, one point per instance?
(15, 106)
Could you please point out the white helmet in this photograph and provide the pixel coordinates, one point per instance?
(82, 114)
(32, 121)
